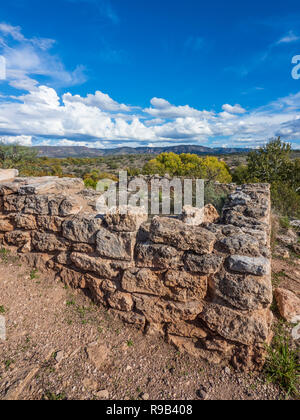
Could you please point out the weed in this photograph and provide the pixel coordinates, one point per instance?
(282, 365)
(2, 310)
(130, 343)
(33, 274)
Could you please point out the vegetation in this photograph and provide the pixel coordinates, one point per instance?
(274, 164)
(283, 367)
(188, 165)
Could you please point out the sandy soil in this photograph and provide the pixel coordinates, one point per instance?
(60, 346)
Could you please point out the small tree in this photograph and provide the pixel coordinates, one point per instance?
(16, 156)
(271, 163)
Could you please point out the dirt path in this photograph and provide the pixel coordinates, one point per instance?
(60, 346)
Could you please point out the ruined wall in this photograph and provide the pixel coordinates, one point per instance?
(206, 288)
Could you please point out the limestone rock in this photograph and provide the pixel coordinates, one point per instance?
(73, 278)
(205, 264)
(239, 244)
(158, 256)
(82, 228)
(183, 286)
(20, 239)
(99, 266)
(157, 310)
(7, 174)
(121, 301)
(186, 329)
(175, 233)
(126, 218)
(210, 214)
(48, 242)
(192, 216)
(6, 224)
(144, 280)
(237, 326)
(248, 265)
(71, 206)
(50, 223)
(118, 246)
(288, 304)
(49, 185)
(25, 221)
(243, 292)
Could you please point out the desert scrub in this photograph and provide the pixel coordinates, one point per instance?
(282, 366)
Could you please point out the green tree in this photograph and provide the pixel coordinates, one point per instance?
(271, 163)
(16, 156)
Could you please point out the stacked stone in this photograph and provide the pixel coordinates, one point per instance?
(206, 288)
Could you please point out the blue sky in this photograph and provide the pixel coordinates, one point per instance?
(106, 73)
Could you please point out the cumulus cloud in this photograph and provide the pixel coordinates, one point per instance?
(236, 109)
(21, 140)
(99, 99)
(161, 108)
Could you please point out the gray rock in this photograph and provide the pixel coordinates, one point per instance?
(118, 246)
(82, 228)
(175, 233)
(257, 266)
(205, 264)
(158, 256)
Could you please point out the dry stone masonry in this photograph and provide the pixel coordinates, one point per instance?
(206, 288)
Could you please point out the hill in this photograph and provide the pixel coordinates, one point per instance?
(79, 151)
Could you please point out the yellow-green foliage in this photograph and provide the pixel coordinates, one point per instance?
(91, 179)
(189, 165)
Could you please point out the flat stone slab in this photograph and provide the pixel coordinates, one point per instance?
(7, 174)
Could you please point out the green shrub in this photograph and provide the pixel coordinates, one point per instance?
(282, 366)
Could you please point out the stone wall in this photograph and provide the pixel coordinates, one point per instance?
(207, 289)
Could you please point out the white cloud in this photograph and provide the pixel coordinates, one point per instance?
(21, 140)
(27, 59)
(99, 99)
(236, 109)
(287, 39)
(163, 109)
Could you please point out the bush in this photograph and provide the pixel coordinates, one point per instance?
(285, 200)
(189, 165)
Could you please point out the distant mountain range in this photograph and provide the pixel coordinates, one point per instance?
(79, 151)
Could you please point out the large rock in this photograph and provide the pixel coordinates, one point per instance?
(48, 242)
(53, 185)
(288, 304)
(192, 216)
(183, 286)
(50, 223)
(144, 280)
(82, 228)
(175, 233)
(158, 256)
(7, 174)
(19, 239)
(25, 221)
(158, 311)
(187, 329)
(236, 326)
(211, 214)
(6, 224)
(244, 292)
(121, 301)
(126, 218)
(248, 265)
(239, 244)
(104, 268)
(204, 264)
(118, 246)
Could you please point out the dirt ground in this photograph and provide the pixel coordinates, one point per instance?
(60, 346)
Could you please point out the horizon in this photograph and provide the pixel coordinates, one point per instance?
(110, 75)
